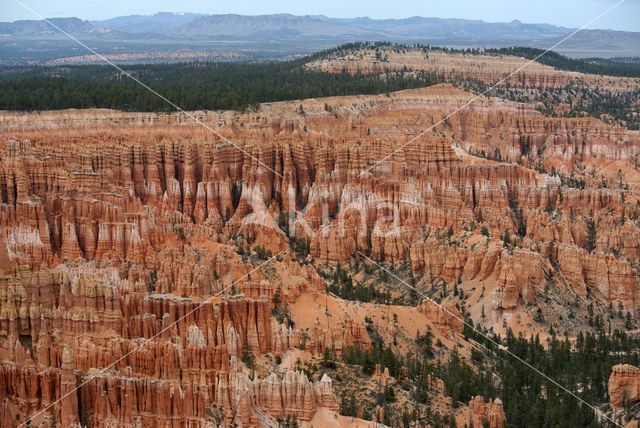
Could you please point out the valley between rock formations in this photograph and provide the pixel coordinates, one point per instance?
(118, 228)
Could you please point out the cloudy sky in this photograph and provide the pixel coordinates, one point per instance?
(568, 13)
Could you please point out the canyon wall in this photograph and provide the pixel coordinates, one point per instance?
(120, 201)
(132, 285)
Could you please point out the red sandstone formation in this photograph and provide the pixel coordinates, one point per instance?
(446, 317)
(195, 360)
(381, 376)
(484, 67)
(339, 338)
(114, 226)
(491, 412)
(624, 386)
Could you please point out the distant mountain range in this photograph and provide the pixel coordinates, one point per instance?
(294, 34)
(593, 43)
(171, 25)
(161, 22)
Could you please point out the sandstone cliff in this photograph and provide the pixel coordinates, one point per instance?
(624, 386)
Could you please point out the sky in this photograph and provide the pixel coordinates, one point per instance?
(567, 13)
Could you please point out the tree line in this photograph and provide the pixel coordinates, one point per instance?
(609, 67)
(193, 85)
(530, 400)
(233, 85)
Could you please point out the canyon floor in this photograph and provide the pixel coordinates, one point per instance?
(320, 262)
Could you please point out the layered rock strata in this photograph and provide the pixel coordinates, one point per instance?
(114, 226)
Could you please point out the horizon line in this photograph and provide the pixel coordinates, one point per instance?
(204, 14)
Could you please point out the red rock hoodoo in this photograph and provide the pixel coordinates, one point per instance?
(624, 385)
(137, 283)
